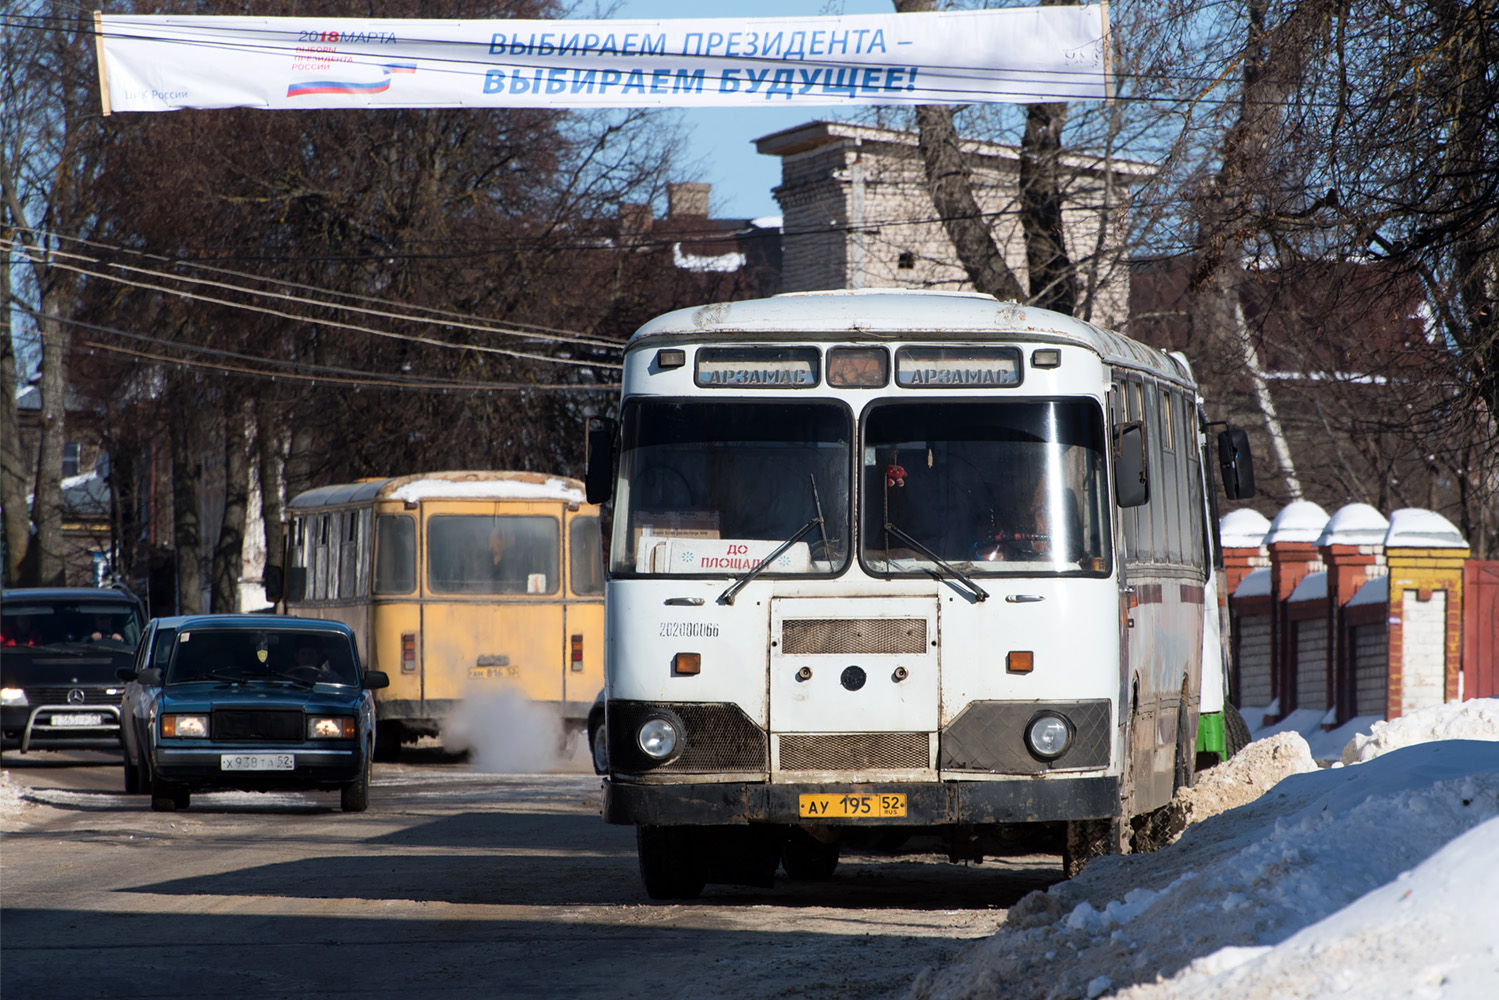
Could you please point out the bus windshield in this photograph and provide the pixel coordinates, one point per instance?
(713, 488)
(1012, 487)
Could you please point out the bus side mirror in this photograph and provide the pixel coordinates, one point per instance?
(296, 583)
(272, 580)
(1131, 481)
(1236, 463)
(598, 477)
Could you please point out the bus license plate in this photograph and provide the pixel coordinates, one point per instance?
(871, 806)
(493, 673)
(257, 762)
(78, 719)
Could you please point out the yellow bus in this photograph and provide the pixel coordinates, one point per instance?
(456, 583)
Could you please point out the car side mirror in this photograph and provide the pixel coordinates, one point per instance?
(376, 679)
(1131, 478)
(272, 580)
(1236, 464)
(598, 475)
(150, 677)
(125, 673)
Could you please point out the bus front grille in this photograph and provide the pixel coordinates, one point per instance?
(854, 751)
(848, 636)
(715, 737)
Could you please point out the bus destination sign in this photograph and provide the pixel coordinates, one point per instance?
(757, 368)
(957, 367)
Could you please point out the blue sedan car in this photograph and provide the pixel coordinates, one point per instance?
(254, 702)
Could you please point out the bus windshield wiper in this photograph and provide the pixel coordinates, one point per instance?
(957, 574)
(727, 597)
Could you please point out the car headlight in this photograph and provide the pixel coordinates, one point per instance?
(657, 737)
(1048, 735)
(187, 727)
(13, 696)
(330, 727)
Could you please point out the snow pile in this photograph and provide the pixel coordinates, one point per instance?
(1458, 720)
(1246, 776)
(1218, 913)
(13, 802)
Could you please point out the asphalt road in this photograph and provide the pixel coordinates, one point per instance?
(455, 884)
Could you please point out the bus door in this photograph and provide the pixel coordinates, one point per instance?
(492, 621)
(854, 683)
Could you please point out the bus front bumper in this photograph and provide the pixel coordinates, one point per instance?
(927, 803)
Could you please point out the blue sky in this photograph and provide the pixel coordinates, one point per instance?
(722, 138)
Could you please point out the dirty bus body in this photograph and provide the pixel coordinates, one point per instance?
(456, 584)
(911, 560)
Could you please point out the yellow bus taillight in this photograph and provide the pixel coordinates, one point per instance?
(577, 644)
(408, 652)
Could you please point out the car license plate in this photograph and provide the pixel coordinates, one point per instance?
(493, 673)
(852, 806)
(257, 762)
(78, 719)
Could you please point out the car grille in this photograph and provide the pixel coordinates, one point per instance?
(854, 751)
(257, 726)
(59, 695)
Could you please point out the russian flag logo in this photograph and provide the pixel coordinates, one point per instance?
(347, 87)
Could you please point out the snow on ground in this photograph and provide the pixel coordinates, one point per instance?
(1376, 880)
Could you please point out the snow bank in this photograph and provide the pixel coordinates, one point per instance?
(1459, 720)
(13, 802)
(1218, 913)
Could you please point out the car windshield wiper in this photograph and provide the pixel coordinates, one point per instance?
(953, 571)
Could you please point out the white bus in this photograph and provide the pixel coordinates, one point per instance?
(902, 561)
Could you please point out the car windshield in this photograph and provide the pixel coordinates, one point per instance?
(244, 655)
(1012, 487)
(715, 488)
(34, 622)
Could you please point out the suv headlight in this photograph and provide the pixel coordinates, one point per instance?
(13, 696)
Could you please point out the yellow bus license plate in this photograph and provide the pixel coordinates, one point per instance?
(493, 673)
(872, 806)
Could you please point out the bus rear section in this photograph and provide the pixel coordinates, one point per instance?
(482, 588)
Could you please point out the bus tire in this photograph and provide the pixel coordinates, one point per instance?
(355, 796)
(1235, 730)
(807, 859)
(1085, 840)
(669, 863)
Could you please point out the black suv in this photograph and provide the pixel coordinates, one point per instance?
(59, 650)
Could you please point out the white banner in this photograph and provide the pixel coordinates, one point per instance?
(162, 63)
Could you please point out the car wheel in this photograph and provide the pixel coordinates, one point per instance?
(355, 796)
(132, 777)
(167, 797)
(669, 864)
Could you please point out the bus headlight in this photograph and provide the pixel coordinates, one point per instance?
(1048, 735)
(658, 737)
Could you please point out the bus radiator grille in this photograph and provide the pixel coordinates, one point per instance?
(990, 736)
(846, 636)
(855, 751)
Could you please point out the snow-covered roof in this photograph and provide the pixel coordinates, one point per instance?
(1415, 528)
(484, 485)
(1313, 587)
(1256, 584)
(1298, 521)
(1355, 524)
(1243, 529)
(1375, 591)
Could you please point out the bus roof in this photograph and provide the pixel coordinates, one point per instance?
(478, 485)
(882, 314)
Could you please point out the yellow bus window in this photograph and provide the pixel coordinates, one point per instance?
(480, 554)
(395, 554)
(585, 562)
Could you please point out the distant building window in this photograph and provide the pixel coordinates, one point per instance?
(71, 452)
(906, 261)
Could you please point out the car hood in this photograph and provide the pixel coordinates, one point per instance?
(202, 697)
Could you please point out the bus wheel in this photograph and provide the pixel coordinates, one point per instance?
(669, 863)
(1086, 839)
(1236, 730)
(387, 741)
(807, 859)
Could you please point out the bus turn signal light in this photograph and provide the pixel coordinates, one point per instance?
(1019, 662)
(688, 664)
